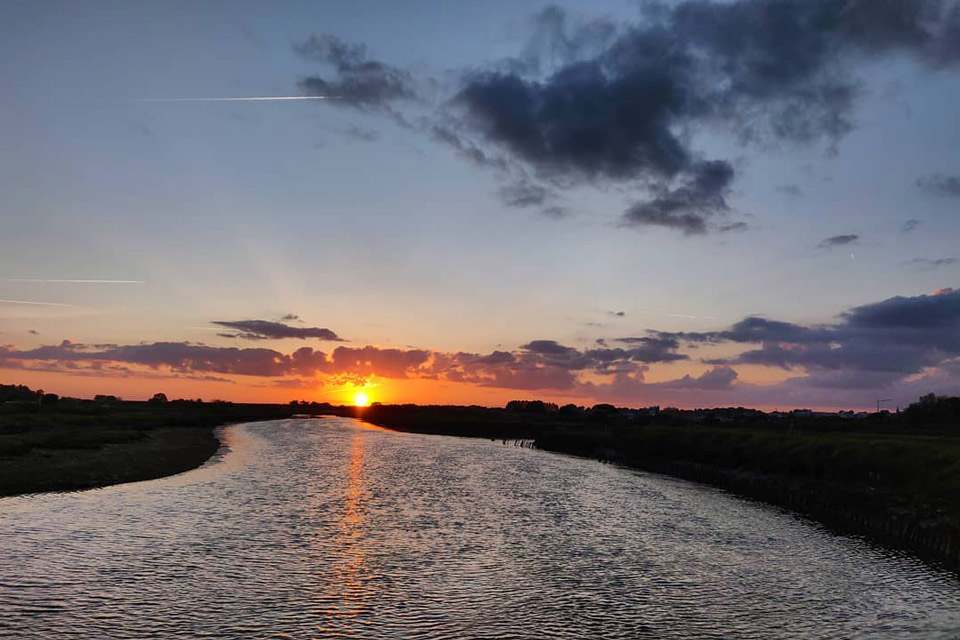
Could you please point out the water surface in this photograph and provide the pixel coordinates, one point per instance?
(329, 529)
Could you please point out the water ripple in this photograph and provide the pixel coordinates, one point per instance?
(327, 529)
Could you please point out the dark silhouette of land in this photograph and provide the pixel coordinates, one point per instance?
(60, 444)
(892, 477)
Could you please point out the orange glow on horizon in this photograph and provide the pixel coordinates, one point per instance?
(361, 399)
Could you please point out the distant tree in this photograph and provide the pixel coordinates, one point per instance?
(571, 411)
(933, 409)
(19, 392)
(159, 398)
(50, 400)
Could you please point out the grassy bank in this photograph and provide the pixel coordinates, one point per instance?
(895, 483)
(80, 445)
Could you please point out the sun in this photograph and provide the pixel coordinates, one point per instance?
(361, 399)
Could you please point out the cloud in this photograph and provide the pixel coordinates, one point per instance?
(33, 332)
(593, 102)
(927, 263)
(525, 194)
(900, 345)
(839, 241)
(359, 82)
(466, 149)
(389, 363)
(599, 102)
(790, 190)
(269, 330)
(910, 225)
(718, 377)
(688, 207)
(940, 185)
(735, 226)
(888, 340)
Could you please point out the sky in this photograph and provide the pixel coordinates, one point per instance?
(698, 203)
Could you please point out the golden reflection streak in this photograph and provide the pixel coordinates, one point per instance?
(350, 579)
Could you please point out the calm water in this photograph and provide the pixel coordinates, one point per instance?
(329, 529)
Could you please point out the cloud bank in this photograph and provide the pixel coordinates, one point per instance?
(907, 344)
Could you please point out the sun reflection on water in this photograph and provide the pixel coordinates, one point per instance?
(348, 597)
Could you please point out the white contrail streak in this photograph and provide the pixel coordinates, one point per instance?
(44, 280)
(42, 304)
(246, 99)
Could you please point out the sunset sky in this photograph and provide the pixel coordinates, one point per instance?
(683, 203)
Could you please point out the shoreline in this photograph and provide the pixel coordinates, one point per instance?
(167, 452)
(890, 524)
(89, 446)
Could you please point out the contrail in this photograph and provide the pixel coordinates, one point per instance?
(44, 280)
(246, 99)
(42, 304)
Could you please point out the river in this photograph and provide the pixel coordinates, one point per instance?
(329, 528)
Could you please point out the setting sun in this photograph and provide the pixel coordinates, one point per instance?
(361, 399)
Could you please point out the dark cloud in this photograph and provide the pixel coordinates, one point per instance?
(839, 241)
(940, 185)
(910, 225)
(289, 317)
(359, 82)
(598, 102)
(927, 263)
(33, 332)
(790, 190)
(269, 330)
(618, 314)
(594, 102)
(888, 340)
(581, 124)
(688, 207)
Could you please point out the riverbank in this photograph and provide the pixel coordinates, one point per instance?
(899, 487)
(86, 445)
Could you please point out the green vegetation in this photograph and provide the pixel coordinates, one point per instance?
(53, 444)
